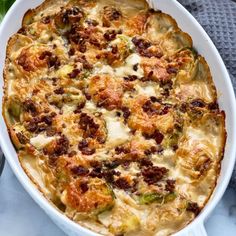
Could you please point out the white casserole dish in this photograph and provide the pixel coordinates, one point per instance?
(204, 46)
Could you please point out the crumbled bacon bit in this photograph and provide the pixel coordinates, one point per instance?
(213, 106)
(91, 22)
(32, 126)
(87, 95)
(45, 54)
(59, 91)
(170, 185)
(72, 153)
(135, 67)
(171, 70)
(150, 151)
(110, 35)
(183, 107)
(110, 14)
(164, 111)
(126, 164)
(83, 144)
(79, 170)
(112, 165)
(22, 61)
(145, 162)
(193, 207)
(141, 43)
(131, 78)
(22, 30)
(198, 103)
(148, 107)
(96, 172)
(79, 107)
(114, 49)
(47, 119)
(84, 186)
(158, 137)
(83, 48)
(67, 15)
(108, 175)
(83, 60)
(148, 53)
(71, 52)
(46, 20)
(53, 61)
(22, 138)
(30, 106)
(126, 112)
(122, 183)
(155, 99)
(95, 42)
(62, 146)
(204, 166)
(88, 125)
(74, 73)
(153, 174)
(95, 164)
(35, 91)
(88, 151)
(121, 149)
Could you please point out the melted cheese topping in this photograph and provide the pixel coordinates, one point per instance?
(40, 141)
(127, 69)
(117, 132)
(114, 116)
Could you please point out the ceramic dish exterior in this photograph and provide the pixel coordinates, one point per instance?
(226, 100)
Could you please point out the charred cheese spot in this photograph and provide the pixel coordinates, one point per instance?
(155, 69)
(106, 91)
(88, 195)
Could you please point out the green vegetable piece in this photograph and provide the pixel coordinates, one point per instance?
(150, 198)
(170, 197)
(14, 108)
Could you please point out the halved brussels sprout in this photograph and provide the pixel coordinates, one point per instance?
(171, 141)
(19, 135)
(148, 198)
(170, 197)
(120, 220)
(14, 109)
(159, 24)
(174, 41)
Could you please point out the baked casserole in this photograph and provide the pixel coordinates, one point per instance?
(114, 115)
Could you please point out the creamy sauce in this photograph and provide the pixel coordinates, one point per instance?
(117, 132)
(41, 141)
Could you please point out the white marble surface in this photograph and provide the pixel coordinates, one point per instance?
(20, 216)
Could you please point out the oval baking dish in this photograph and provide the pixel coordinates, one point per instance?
(226, 100)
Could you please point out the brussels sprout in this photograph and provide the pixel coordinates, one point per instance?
(20, 137)
(170, 197)
(172, 140)
(175, 40)
(89, 195)
(148, 198)
(120, 220)
(130, 223)
(127, 41)
(14, 108)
